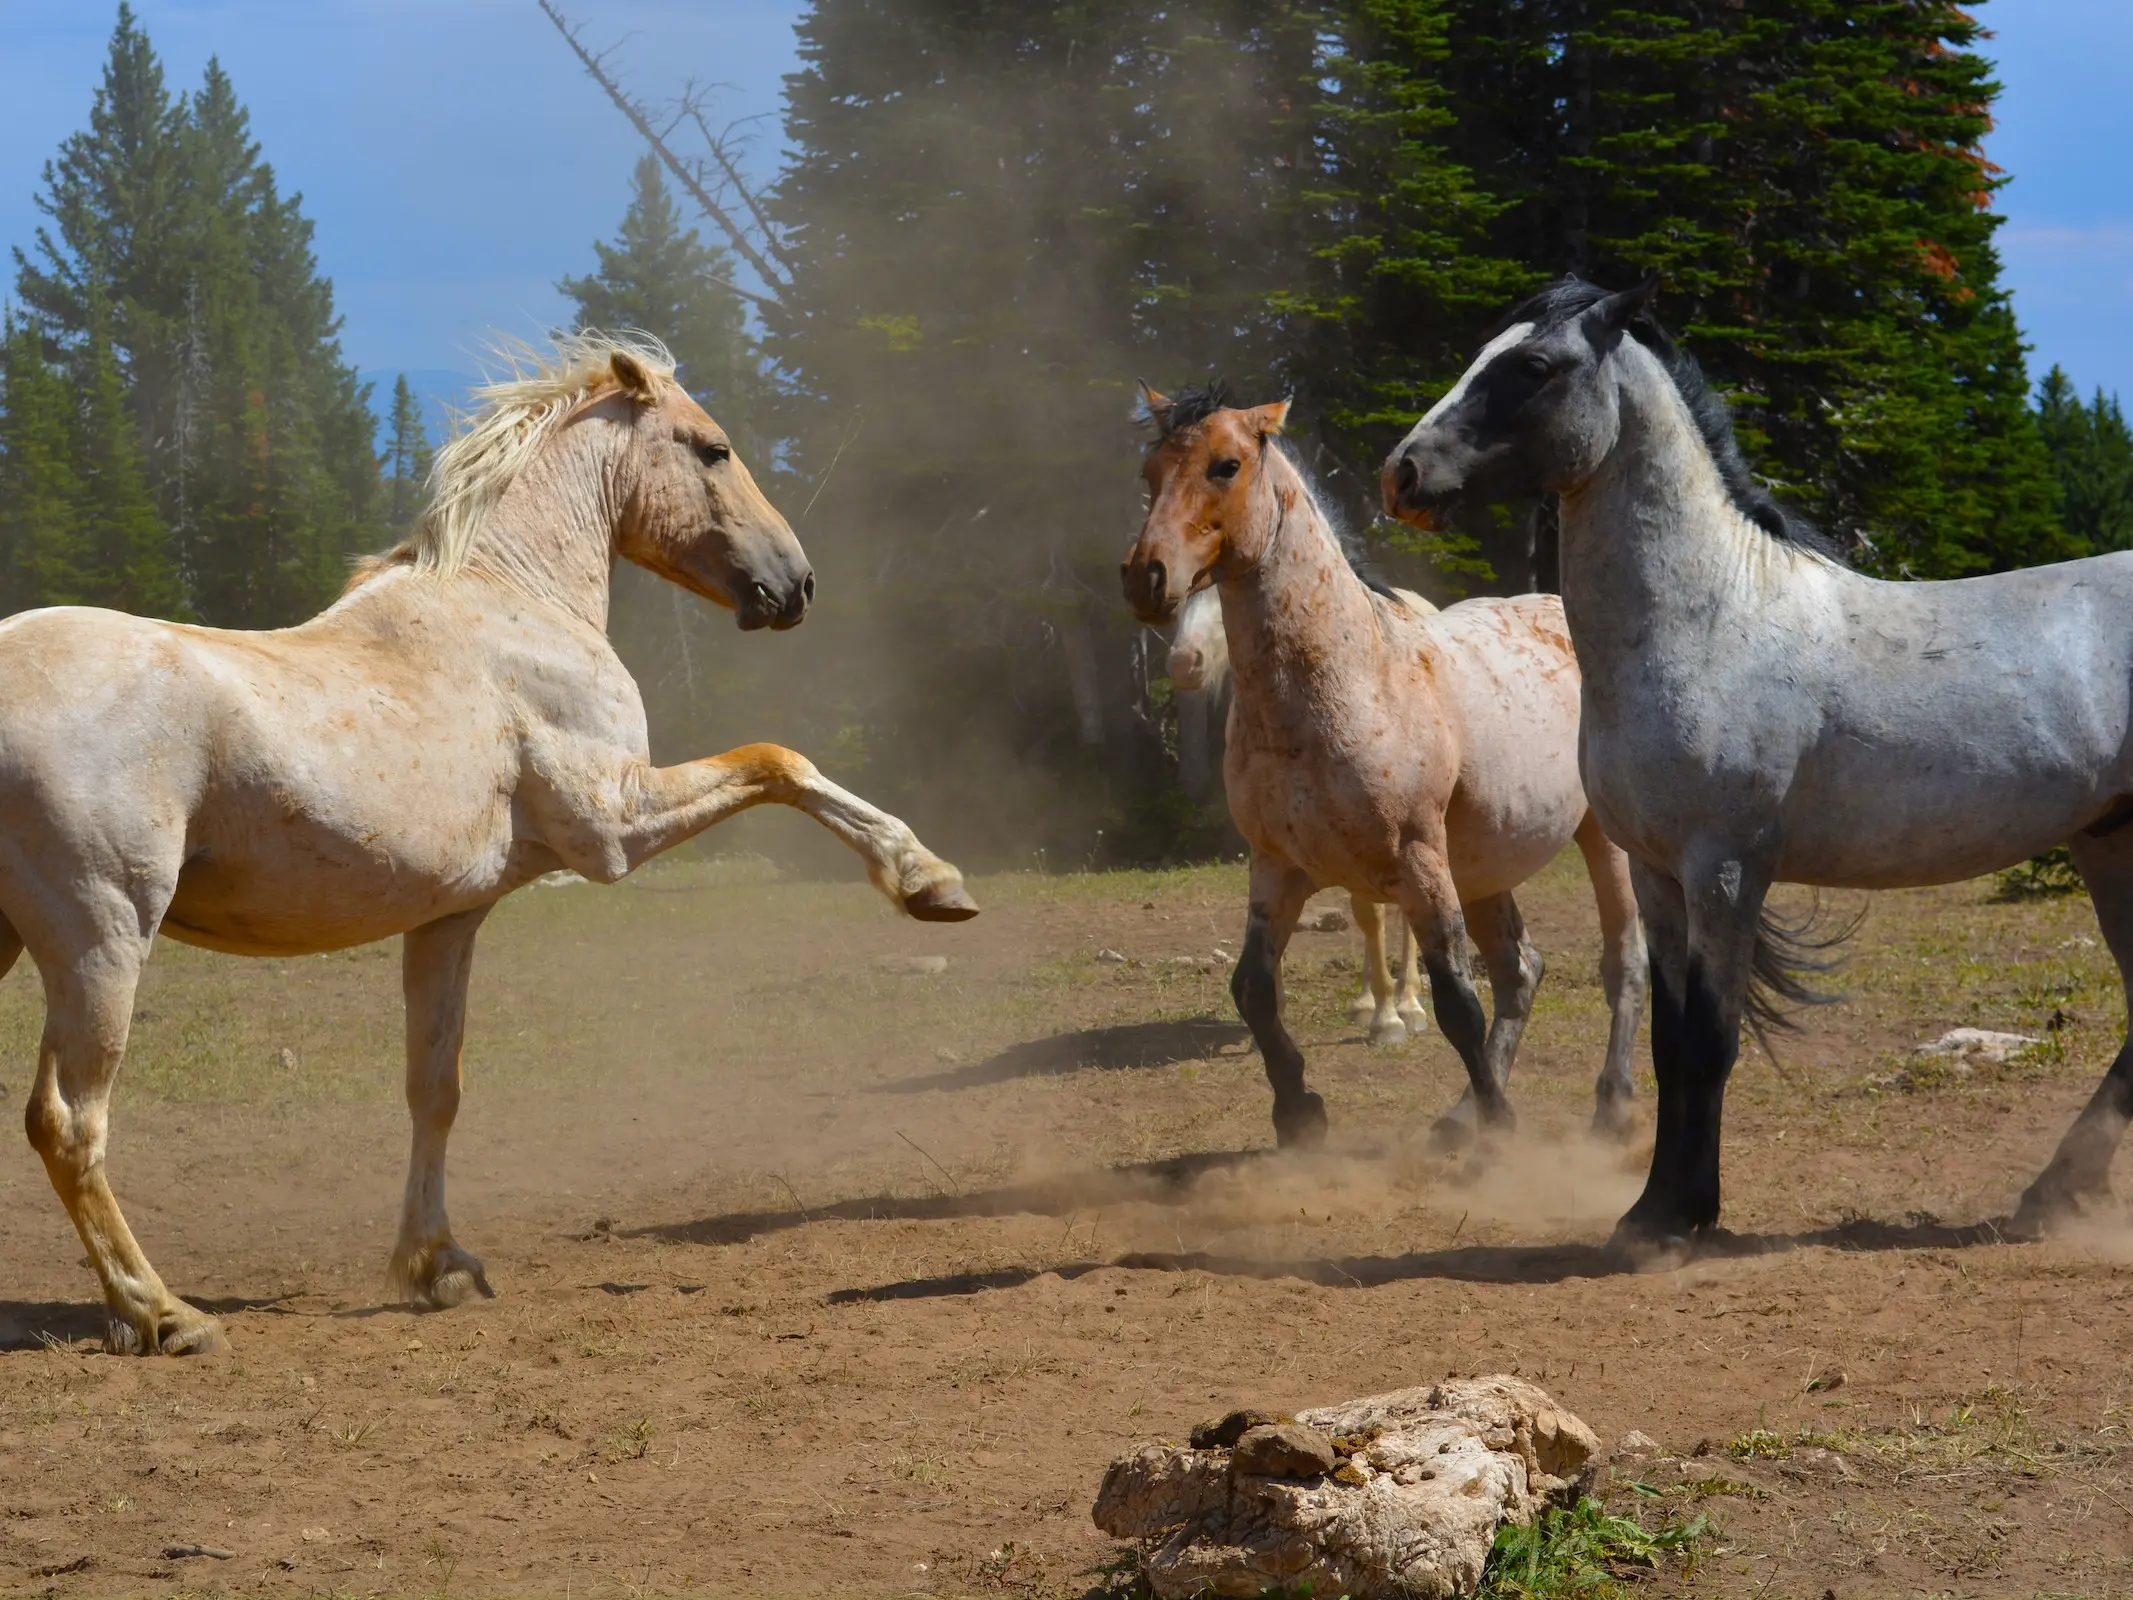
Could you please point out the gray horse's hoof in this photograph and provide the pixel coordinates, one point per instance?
(1454, 1130)
(2052, 1202)
(1613, 1122)
(1301, 1124)
(1635, 1248)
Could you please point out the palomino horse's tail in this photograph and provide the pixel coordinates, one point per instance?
(1787, 955)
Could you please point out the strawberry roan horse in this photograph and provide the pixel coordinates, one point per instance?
(455, 726)
(1392, 1005)
(1426, 761)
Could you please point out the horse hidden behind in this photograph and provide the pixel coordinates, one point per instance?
(453, 727)
(1756, 712)
(1428, 761)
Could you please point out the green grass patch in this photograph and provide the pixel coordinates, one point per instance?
(1581, 1554)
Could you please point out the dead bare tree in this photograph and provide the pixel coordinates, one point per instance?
(713, 180)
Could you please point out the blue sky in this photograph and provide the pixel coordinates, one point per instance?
(456, 161)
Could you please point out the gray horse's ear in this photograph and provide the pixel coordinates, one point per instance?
(633, 375)
(1618, 311)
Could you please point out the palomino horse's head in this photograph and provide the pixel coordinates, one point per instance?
(695, 516)
(1206, 475)
(1536, 413)
(1199, 650)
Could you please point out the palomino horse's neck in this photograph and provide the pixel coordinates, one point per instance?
(1292, 607)
(552, 534)
(1652, 540)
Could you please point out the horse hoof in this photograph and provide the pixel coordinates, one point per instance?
(192, 1333)
(1361, 1009)
(1416, 1018)
(441, 1278)
(2050, 1204)
(459, 1285)
(1384, 1035)
(1613, 1123)
(1301, 1126)
(946, 901)
(1636, 1247)
(1452, 1131)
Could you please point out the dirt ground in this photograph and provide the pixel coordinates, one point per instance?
(817, 1278)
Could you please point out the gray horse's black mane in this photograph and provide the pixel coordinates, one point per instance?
(1571, 296)
(1192, 406)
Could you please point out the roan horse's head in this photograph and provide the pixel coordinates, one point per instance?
(695, 516)
(1537, 412)
(1204, 471)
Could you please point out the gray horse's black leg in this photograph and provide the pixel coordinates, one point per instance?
(1515, 969)
(2078, 1178)
(1278, 894)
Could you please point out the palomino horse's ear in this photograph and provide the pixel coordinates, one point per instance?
(1618, 311)
(634, 376)
(1268, 420)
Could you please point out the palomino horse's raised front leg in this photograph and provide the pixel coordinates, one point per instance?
(2078, 1179)
(1391, 1003)
(436, 962)
(1622, 976)
(88, 996)
(662, 806)
(1278, 893)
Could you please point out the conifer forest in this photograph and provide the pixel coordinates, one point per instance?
(924, 328)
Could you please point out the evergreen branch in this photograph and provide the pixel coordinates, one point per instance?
(716, 144)
(635, 113)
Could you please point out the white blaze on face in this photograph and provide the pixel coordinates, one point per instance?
(1510, 338)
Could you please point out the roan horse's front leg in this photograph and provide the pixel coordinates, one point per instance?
(665, 805)
(436, 962)
(1278, 893)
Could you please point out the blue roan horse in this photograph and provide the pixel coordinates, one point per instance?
(1755, 712)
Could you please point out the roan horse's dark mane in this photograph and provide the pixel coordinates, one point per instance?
(1572, 296)
(1192, 406)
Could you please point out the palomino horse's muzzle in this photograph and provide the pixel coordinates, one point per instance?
(776, 605)
(1147, 587)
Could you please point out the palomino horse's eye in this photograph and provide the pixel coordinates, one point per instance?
(713, 454)
(1222, 471)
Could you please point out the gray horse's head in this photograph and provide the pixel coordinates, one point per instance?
(1536, 413)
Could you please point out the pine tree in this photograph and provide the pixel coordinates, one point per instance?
(169, 235)
(131, 562)
(2091, 451)
(407, 460)
(44, 559)
(659, 277)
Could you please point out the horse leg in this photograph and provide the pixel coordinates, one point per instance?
(662, 806)
(1278, 893)
(1622, 974)
(1704, 935)
(1377, 1002)
(436, 962)
(2078, 1177)
(1515, 968)
(1431, 905)
(88, 1013)
(1409, 1002)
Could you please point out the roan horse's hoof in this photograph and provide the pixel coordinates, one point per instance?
(946, 901)
(1301, 1124)
(190, 1333)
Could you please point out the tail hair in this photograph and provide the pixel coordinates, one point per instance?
(1788, 954)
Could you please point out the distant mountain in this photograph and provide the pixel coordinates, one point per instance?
(438, 389)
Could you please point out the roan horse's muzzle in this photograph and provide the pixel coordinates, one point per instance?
(1147, 587)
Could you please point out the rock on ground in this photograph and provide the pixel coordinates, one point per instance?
(1397, 1494)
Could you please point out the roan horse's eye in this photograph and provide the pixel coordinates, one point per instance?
(1224, 470)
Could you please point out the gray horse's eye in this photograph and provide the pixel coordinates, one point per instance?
(1224, 470)
(1535, 365)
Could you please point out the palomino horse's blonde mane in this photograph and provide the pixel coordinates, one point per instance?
(515, 415)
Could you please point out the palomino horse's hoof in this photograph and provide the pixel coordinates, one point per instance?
(192, 1334)
(1384, 1035)
(1301, 1125)
(1416, 1018)
(947, 901)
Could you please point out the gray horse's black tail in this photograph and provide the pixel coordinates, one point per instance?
(1788, 954)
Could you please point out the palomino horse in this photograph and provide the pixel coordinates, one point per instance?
(1757, 713)
(1426, 761)
(455, 726)
(1199, 661)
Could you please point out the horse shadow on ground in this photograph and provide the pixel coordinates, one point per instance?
(1130, 1046)
(1501, 1264)
(57, 1324)
(1145, 1181)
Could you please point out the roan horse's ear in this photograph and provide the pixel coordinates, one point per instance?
(1153, 405)
(1618, 311)
(1267, 420)
(633, 375)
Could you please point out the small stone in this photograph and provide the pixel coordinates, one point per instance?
(285, 1058)
(1220, 1433)
(1978, 1044)
(1634, 1446)
(1283, 1450)
(1329, 921)
(1111, 958)
(911, 966)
